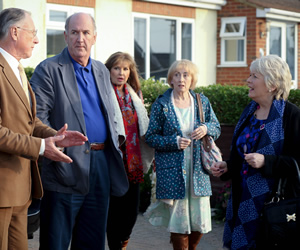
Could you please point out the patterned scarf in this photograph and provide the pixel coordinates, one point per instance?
(131, 148)
(240, 229)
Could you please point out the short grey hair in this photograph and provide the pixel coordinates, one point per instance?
(69, 18)
(10, 17)
(276, 74)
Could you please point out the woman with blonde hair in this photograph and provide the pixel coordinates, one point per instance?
(183, 187)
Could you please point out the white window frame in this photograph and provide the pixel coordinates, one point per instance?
(283, 35)
(63, 8)
(229, 36)
(179, 21)
(283, 25)
(231, 20)
(70, 10)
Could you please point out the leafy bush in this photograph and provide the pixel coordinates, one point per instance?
(29, 71)
(294, 97)
(222, 200)
(151, 89)
(145, 192)
(227, 101)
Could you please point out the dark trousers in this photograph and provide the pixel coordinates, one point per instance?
(80, 217)
(122, 215)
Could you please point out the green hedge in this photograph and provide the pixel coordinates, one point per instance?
(228, 101)
(151, 89)
(29, 71)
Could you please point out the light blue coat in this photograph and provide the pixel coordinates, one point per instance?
(162, 135)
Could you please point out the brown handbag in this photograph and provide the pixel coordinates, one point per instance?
(208, 149)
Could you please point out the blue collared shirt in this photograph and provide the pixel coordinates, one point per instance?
(91, 103)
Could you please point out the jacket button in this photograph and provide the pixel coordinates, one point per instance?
(184, 171)
(87, 151)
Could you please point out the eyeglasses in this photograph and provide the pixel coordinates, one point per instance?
(34, 32)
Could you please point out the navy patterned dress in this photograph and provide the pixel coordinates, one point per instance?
(234, 233)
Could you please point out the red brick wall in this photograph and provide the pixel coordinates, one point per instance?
(239, 75)
(254, 40)
(83, 3)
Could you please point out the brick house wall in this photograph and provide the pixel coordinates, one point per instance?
(254, 41)
(83, 3)
(239, 75)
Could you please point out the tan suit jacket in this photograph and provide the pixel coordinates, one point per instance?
(20, 133)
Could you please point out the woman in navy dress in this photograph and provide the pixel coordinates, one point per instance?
(266, 138)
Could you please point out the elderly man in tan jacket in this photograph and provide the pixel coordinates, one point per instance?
(21, 131)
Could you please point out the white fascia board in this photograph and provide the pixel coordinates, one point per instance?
(271, 13)
(203, 4)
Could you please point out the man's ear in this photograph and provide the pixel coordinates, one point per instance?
(13, 33)
(65, 36)
(95, 38)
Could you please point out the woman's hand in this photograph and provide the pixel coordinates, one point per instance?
(199, 132)
(184, 143)
(219, 168)
(255, 160)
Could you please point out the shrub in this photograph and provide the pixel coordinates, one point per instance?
(145, 192)
(222, 200)
(151, 89)
(294, 97)
(29, 71)
(227, 101)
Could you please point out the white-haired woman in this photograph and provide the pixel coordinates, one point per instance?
(266, 138)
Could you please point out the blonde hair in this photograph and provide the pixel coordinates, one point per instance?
(189, 66)
(276, 74)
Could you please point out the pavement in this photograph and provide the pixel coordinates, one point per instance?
(147, 237)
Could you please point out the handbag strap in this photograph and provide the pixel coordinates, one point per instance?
(283, 181)
(205, 139)
(200, 108)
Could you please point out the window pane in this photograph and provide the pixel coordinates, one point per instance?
(58, 16)
(162, 46)
(55, 42)
(232, 27)
(186, 41)
(140, 45)
(234, 50)
(275, 40)
(290, 48)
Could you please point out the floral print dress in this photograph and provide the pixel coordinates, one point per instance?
(191, 213)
